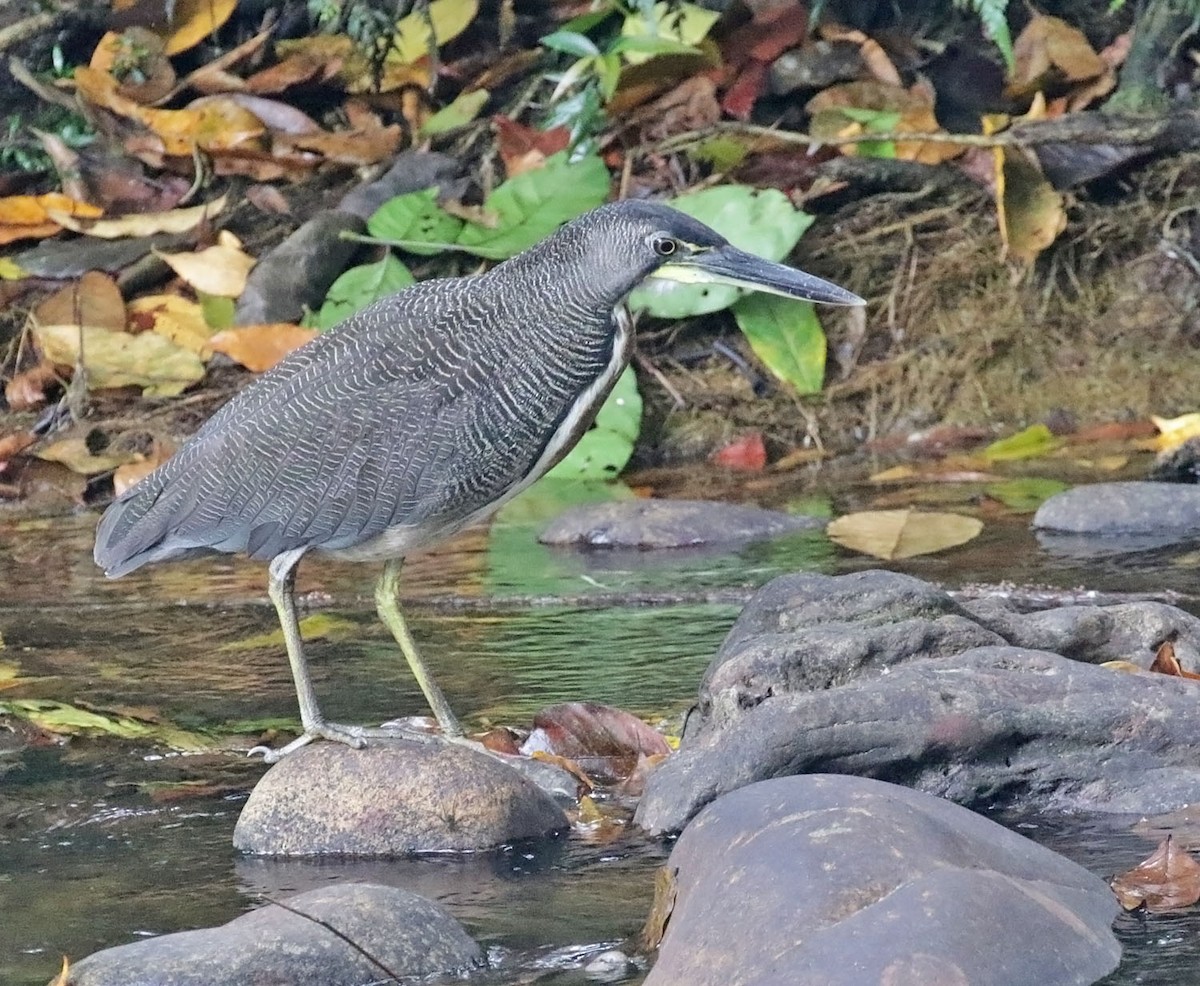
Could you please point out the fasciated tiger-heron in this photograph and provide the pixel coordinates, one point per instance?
(419, 415)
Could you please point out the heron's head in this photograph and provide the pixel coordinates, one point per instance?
(624, 243)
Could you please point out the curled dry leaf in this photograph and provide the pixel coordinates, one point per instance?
(135, 58)
(1167, 880)
(260, 347)
(1166, 662)
(27, 389)
(221, 269)
(604, 741)
(871, 51)
(895, 534)
(1049, 51)
(523, 148)
(195, 20)
(143, 224)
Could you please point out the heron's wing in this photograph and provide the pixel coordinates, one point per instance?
(369, 428)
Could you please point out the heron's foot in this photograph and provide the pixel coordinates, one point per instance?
(355, 737)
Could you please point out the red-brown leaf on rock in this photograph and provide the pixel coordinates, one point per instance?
(606, 742)
(1166, 662)
(748, 454)
(1167, 880)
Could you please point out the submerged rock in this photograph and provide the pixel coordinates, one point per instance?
(646, 524)
(839, 880)
(883, 675)
(397, 933)
(390, 799)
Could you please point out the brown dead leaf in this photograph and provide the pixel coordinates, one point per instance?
(279, 117)
(564, 763)
(746, 454)
(66, 162)
(130, 474)
(523, 148)
(1165, 662)
(353, 147)
(137, 60)
(914, 105)
(606, 742)
(871, 51)
(1050, 51)
(301, 67)
(145, 223)
(269, 199)
(354, 70)
(1167, 880)
(27, 389)
(64, 975)
(93, 300)
(660, 911)
(15, 443)
(221, 269)
(896, 534)
(260, 347)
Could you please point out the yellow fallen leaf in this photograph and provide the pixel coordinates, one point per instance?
(449, 18)
(260, 347)
(179, 319)
(76, 456)
(895, 534)
(144, 223)
(119, 359)
(1173, 432)
(1127, 667)
(219, 269)
(24, 217)
(195, 20)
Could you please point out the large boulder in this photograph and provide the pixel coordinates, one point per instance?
(390, 799)
(837, 880)
(343, 935)
(883, 675)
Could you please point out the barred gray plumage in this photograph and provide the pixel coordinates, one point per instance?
(418, 415)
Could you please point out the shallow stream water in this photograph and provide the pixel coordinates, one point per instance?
(103, 841)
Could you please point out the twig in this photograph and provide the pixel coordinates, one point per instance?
(661, 377)
(27, 28)
(334, 931)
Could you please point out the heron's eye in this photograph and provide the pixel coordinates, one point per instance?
(664, 246)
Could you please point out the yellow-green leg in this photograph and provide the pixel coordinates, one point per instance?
(387, 594)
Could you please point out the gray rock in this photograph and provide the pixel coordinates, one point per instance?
(647, 524)
(1138, 509)
(814, 66)
(389, 799)
(837, 880)
(297, 273)
(413, 171)
(406, 935)
(1121, 632)
(993, 725)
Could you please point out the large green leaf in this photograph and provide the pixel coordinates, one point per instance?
(415, 219)
(787, 336)
(534, 204)
(763, 222)
(604, 450)
(358, 287)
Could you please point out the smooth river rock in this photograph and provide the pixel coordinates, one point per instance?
(840, 881)
(390, 799)
(406, 935)
(648, 524)
(1131, 509)
(883, 675)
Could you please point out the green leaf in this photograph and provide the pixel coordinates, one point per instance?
(686, 24)
(534, 204)
(787, 336)
(415, 218)
(1028, 444)
(607, 446)
(763, 222)
(459, 113)
(875, 121)
(359, 287)
(218, 311)
(572, 43)
(1025, 493)
(449, 18)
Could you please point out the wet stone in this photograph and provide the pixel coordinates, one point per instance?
(648, 524)
(840, 881)
(390, 799)
(880, 674)
(405, 934)
(1114, 509)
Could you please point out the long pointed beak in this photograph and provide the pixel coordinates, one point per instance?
(729, 265)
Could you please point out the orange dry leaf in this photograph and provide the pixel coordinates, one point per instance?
(1167, 880)
(353, 69)
(353, 147)
(217, 125)
(195, 20)
(1050, 51)
(28, 216)
(523, 148)
(27, 389)
(180, 320)
(1165, 662)
(260, 347)
(131, 473)
(869, 50)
